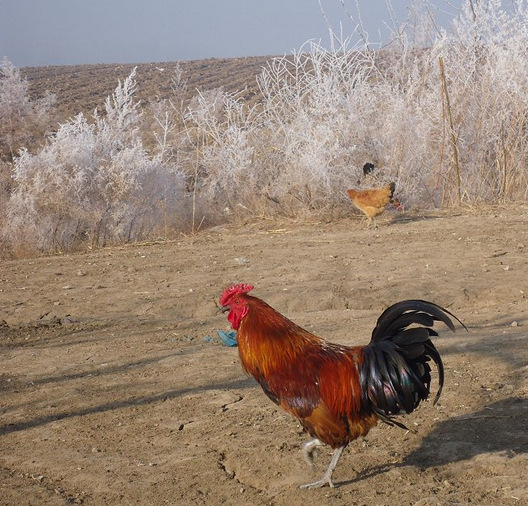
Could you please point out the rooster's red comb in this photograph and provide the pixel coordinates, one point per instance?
(234, 290)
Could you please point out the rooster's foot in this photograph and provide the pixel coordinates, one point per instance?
(327, 476)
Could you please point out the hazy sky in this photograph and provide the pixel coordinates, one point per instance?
(59, 32)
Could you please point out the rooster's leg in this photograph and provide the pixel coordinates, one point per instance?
(308, 448)
(327, 476)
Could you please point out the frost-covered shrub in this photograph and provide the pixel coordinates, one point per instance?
(22, 119)
(443, 113)
(221, 128)
(455, 111)
(293, 154)
(324, 114)
(93, 183)
(487, 75)
(312, 112)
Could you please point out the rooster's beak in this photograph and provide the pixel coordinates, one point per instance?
(224, 309)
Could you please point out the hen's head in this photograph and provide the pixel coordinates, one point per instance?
(234, 300)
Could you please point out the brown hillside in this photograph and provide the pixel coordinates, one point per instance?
(82, 88)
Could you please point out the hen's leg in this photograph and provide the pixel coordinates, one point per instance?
(327, 476)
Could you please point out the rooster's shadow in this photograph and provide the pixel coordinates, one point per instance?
(501, 427)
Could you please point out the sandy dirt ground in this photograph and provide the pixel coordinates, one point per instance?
(111, 393)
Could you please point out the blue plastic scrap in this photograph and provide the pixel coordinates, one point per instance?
(228, 338)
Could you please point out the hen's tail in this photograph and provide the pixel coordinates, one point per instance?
(396, 375)
(392, 188)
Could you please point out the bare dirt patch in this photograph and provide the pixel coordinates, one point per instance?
(109, 393)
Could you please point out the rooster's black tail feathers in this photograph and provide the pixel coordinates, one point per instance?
(396, 375)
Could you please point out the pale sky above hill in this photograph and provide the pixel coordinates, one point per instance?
(60, 32)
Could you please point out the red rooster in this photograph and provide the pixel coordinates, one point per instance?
(338, 393)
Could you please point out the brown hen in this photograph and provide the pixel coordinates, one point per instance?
(372, 201)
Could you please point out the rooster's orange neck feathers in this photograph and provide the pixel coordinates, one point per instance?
(268, 340)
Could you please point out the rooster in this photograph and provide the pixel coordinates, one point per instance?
(338, 393)
(372, 201)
